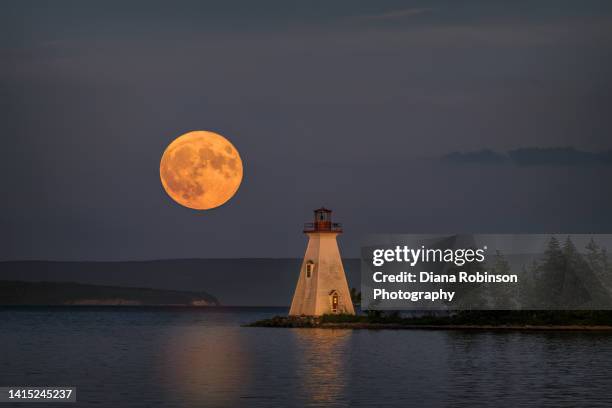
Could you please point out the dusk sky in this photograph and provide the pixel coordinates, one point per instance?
(353, 105)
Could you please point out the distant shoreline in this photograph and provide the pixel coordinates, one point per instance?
(45, 293)
(139, 306)
(240, 281)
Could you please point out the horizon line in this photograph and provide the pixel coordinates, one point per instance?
(154, 259)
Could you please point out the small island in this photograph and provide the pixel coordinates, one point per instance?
(591, 320)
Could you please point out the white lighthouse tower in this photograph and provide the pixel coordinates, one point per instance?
(322, 287)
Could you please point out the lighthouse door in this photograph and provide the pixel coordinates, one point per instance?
(335, 302)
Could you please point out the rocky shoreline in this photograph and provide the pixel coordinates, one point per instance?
(361, 324)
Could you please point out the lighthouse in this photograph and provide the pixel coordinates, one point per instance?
(322, 287)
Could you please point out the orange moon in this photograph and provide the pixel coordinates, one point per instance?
(201, 170)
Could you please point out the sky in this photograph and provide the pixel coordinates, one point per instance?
(359, 106)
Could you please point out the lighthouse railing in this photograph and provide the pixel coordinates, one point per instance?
(323, 226)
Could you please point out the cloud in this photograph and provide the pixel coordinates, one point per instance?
(532, 156)
(563, 156)
(484, 156)
(394, 15)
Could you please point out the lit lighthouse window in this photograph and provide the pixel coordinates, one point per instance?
(334, 299)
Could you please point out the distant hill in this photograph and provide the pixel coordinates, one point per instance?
(235, 282)
(71, 293)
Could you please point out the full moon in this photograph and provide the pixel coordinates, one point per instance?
(201, 170)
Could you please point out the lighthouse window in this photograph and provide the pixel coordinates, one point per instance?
(334, 302)
(309, 269)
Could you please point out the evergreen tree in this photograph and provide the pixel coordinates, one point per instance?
(606, 267)
(593, 255)
(576, 270)
(553, 256)
(549, 276)
(597, 259)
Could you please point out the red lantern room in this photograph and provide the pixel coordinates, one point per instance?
(323, 222)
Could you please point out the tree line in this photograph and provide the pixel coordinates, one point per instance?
(562, 278)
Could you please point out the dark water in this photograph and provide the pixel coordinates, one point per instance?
(173, 357)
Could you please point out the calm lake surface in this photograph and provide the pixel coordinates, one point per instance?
(175, 357)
